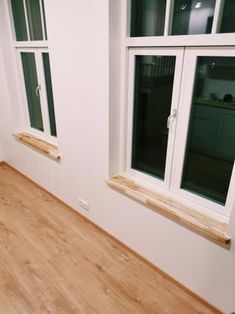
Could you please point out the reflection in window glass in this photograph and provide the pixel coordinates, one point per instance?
(31, 84)
(210, 151)
(193, 17)
(228, 17)
(34, 19)
(154, 77)
(147, 17)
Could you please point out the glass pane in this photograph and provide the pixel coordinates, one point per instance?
(193, 17)
(210, 149)
(34, 19)
(31, 83)
(19, 20)
(44, 19)
(50, 100)
(147, 17)
(154, 77)
(228, 17)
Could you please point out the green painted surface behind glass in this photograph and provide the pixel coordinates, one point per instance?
(31, 83)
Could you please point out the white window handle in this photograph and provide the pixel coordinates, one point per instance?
(37, 90)
(172, 116)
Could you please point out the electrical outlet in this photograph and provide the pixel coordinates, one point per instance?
(83, 204)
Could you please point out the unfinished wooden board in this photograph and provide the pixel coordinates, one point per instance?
(38, 145)
(55, 261)
(204, 225)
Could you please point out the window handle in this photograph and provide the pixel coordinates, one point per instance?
(171, 116)
(37, 90)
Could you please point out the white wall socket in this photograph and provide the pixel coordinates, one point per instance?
(83, 204)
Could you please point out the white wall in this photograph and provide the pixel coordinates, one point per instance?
(2, 91)
(1, 153)
(79, 45)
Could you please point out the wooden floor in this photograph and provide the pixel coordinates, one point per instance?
(52, 260)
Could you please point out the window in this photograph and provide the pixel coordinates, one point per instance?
(34, 66)
(181, 17)
(180, 125)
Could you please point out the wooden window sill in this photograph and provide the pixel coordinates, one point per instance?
(202, 224)
(39, 145)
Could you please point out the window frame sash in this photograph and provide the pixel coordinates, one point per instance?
(129, 171)
(188, 80)
(43, 23)
(170, 4)
(46, 134)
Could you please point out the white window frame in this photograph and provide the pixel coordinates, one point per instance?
(204, 41)
(37, 47)
(178, 53)
(46, 134)
(27, 23)
(191, 55)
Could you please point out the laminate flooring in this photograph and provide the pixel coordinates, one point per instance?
(53, 260)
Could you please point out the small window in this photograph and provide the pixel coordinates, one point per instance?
(29, 19)
(38, 89)
(181, 17)
(34, 63)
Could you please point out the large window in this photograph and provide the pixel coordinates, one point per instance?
(34, 66)
(181, 100)
(181, 17)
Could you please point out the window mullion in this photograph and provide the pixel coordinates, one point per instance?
(43, 98)
(26, 20)
(182, 119)
(168, 17)
(179, 53)
(217, 16)
(43, 21)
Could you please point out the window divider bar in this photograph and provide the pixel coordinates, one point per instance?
(42, 20)
(168, 17)
(127, 20)
(217, 16)
(30, 44)
(26, 20)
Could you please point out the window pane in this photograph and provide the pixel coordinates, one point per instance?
(147, 17)
(19, 19)
(154, 77)
(228, 17)
(193, 17)
(210, 149)
(44, 19)
(34, 19)
(50, 100)
(31, 83)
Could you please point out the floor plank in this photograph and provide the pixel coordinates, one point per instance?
(55, 261)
